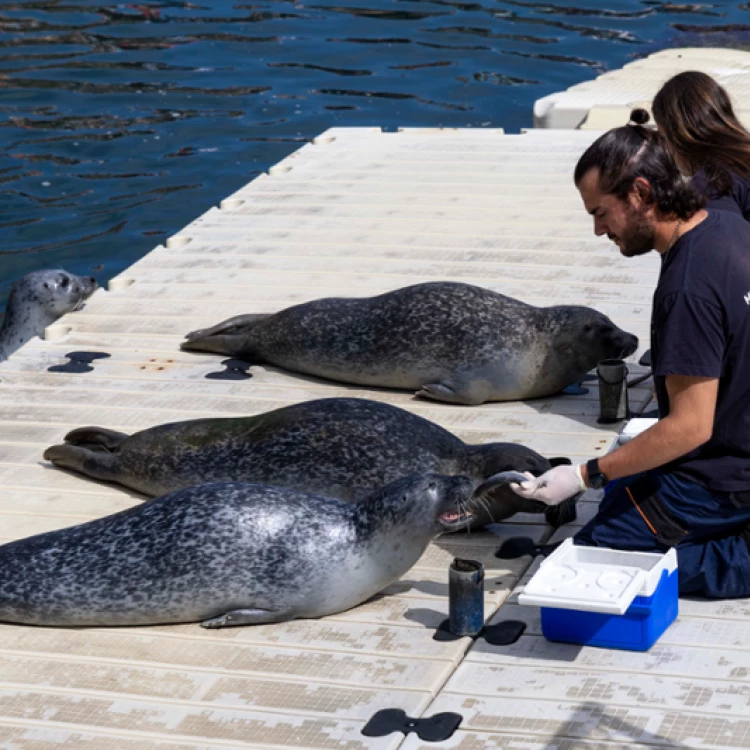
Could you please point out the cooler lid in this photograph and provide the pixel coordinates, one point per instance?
(591, 579)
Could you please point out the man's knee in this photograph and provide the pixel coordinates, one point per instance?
(716, 569)
(618, 523)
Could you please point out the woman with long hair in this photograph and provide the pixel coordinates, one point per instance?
(695, 115)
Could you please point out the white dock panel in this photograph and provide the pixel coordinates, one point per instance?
(607, 100)
(357, 213)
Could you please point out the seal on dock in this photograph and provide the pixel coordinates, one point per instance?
(448, 341)
(36, 301)
(339, 447)
(227, 554)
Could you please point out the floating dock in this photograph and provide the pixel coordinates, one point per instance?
(607, 100)
(355, 213)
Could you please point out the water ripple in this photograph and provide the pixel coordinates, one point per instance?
(489, 34)
(386, 15)
(323, 68)
(120, 123)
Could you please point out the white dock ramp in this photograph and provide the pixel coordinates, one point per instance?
(356, 213)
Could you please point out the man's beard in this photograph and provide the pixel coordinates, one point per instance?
(639, 237)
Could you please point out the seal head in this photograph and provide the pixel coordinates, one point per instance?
(36, 301)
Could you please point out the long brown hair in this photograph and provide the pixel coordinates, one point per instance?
(696, 117)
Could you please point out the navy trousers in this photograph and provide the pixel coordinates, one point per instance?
(654, 511)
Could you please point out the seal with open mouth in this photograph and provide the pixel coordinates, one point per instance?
(228, 554)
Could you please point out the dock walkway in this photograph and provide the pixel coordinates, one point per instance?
(355, 213)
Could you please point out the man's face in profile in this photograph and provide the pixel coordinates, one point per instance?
(628, 223)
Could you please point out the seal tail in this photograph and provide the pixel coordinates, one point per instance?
(96, 439)
(227, 337)
(96, 464)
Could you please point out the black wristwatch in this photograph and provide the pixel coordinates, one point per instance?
(597, 479)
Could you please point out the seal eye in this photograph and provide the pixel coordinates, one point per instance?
(432, 486)
(45, 285)
(587, 328)
(64, 281)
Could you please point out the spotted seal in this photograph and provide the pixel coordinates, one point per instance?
(341, 447)
(227, 554)
(448, 341)
(37, 300)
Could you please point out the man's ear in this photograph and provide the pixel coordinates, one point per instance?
(640, 193)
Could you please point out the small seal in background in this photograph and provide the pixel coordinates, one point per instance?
(36, 301)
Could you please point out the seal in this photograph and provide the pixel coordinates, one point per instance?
(340, 447)
(227, 554)
(37, 300)
(448, 341)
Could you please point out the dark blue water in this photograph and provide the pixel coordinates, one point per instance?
(119, 124)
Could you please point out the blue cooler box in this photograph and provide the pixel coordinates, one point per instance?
(597, 596)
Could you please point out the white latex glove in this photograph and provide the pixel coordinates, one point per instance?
(553, 486)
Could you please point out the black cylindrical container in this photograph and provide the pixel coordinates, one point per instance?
(465, 597)
(613, 390)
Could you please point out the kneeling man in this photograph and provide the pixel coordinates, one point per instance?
(685, 482)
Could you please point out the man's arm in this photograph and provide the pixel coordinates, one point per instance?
(692, 404)
(689, 424)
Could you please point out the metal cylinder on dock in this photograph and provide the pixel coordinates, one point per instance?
(465, 597)
(613, 390)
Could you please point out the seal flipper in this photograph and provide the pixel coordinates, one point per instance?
(231, 325)
(97, 464)
(449, 394)
(96, 438)
(243, 617)
(228, 337)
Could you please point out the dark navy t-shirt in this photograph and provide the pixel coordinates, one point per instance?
(700, 326)
(737, 200)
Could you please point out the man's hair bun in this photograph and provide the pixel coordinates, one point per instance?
(639, 116)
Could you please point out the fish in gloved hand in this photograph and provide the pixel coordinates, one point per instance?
(552, 487)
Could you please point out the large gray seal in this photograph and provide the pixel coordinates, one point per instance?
(227, 554)
(340, 447)
(451, 342)
(36, 301)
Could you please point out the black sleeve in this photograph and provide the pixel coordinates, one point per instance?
(691, 337)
